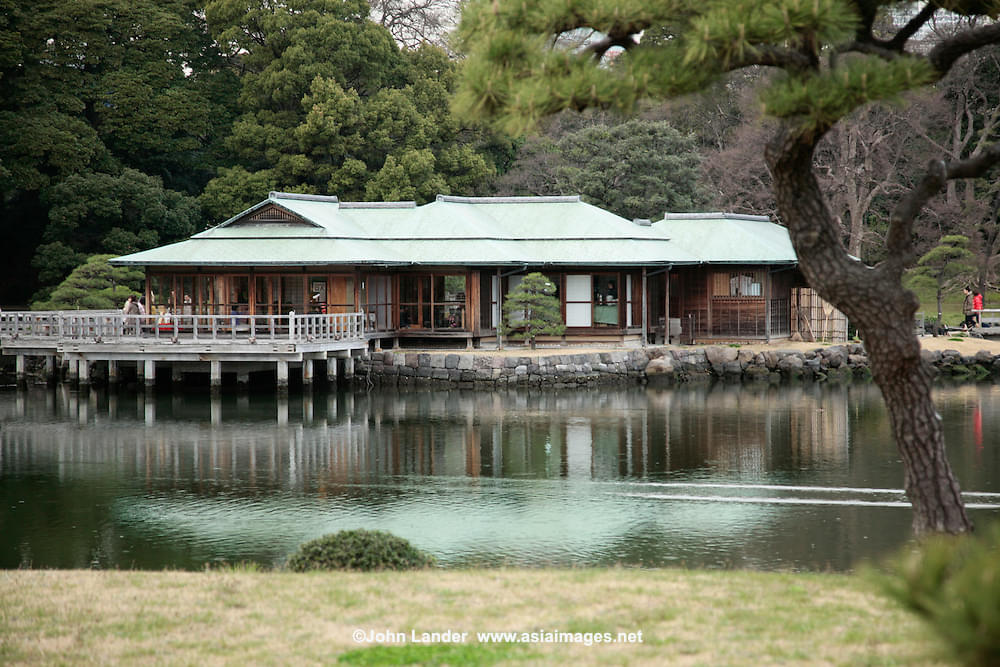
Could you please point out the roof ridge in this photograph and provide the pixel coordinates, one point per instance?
(715, 216)
(377, 204)
(302, 196)
(541, 199)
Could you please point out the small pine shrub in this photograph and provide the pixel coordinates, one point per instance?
(358, 550)
(954, 584)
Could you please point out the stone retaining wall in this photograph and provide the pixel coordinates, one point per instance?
(482, 370)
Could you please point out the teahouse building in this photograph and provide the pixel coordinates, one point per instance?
(440, 271)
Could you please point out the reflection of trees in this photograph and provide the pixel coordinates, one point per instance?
(749, 429)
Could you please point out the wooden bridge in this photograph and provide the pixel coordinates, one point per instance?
(184, 343)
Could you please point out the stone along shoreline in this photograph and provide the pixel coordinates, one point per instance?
(484, 370)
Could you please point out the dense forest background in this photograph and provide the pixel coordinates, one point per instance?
(126, 124)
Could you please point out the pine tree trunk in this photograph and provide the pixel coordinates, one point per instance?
(875, 301)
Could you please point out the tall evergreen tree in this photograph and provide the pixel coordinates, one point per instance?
(829, 57)
(330, 104)
(93, 88)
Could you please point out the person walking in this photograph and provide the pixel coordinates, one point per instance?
(977, 307)
(968, 310)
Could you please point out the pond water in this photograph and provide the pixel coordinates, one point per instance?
(798, 477)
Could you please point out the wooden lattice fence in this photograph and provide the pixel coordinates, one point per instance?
(815, 319)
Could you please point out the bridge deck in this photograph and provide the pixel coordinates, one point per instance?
(241, 341)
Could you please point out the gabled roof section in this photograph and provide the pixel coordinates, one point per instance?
(729, 238)
(275, 210)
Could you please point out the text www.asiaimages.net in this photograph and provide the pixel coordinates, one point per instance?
(368, 636)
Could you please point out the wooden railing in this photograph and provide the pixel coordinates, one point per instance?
(112, 326)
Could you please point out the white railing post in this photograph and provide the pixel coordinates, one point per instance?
(291, 325)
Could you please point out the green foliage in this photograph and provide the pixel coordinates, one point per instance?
(953, 583)
(358, 550)
(943, 268)
(637, 169)
(91, 212)
(819, 100)
(330, 104)
(526, 60)
(532, 309)
(94, 285)
(91, 91)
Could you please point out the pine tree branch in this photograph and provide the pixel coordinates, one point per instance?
(944, 55)
(898, 42)
(773, 56)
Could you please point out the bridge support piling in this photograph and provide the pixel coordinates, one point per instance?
(149, 373)
(84, 373)
(21, 369)
(114, 377)
(282, 383)
(215, 375)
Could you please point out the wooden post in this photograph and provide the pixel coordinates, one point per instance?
(215, 375)
(348, 367)
(113, 375)
(666, 307)
(767, 306)
(149, 372)
(645, 313)
(307, 372)
(331, 370)
(74, 371)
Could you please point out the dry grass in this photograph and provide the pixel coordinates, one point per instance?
(235, 617)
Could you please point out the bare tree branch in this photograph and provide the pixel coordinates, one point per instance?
(899, 240)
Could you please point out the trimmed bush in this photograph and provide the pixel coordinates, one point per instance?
(954, 584)
(359, 550)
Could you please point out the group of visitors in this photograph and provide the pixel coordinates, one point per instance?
(134, 305)
(972, 308)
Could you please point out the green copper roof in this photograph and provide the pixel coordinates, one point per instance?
(303, 230)
(727, 238)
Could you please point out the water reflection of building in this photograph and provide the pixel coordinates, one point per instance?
(335, 440)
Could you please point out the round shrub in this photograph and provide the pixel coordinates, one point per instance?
(358, 550)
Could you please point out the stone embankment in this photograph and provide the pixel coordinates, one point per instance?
(482, 370)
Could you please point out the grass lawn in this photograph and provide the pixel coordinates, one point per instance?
(243, 617)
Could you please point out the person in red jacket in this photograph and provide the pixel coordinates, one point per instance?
(977, 307)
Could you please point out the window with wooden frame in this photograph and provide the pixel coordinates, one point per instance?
(745, 283)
